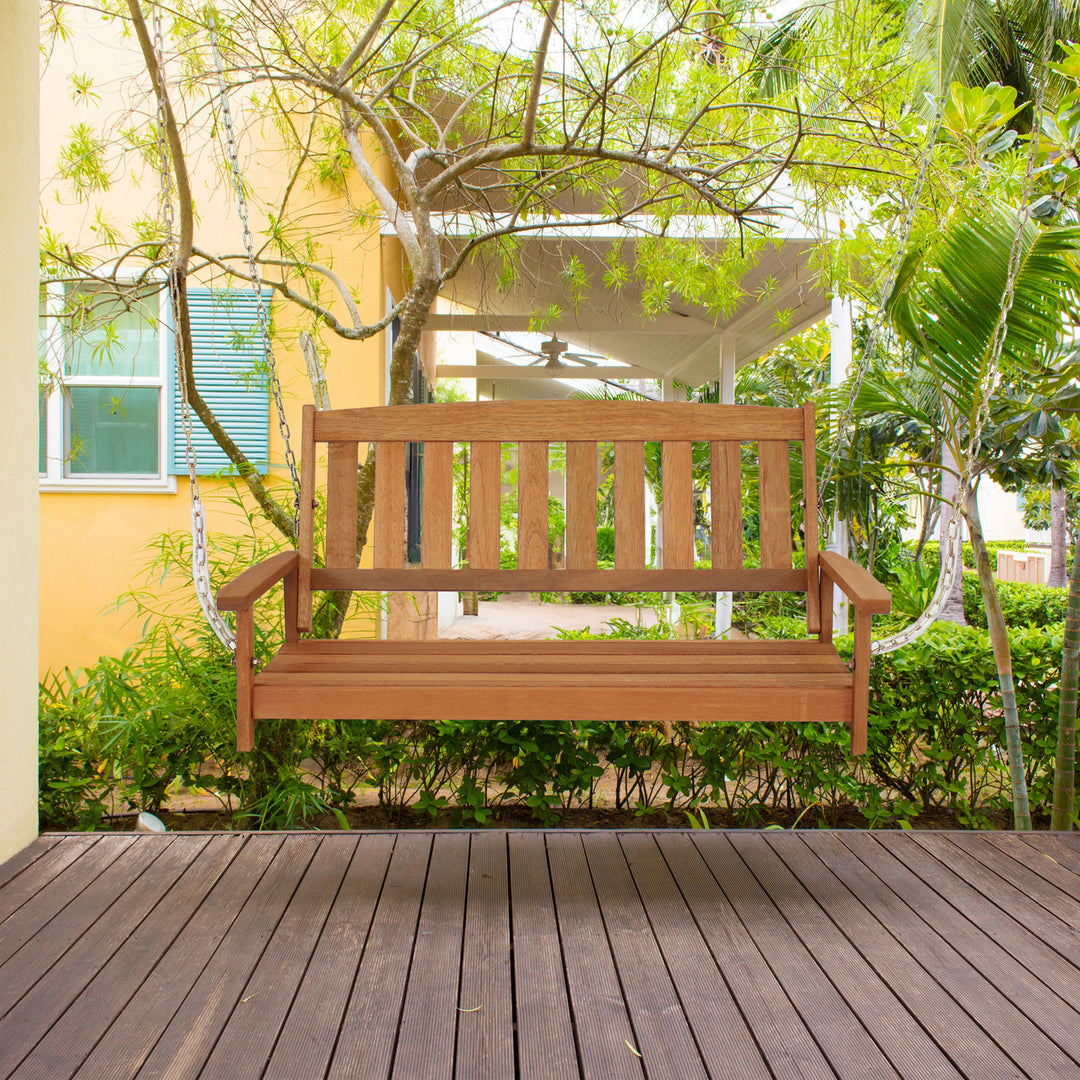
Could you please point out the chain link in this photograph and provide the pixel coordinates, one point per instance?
(262, 314)
(200, 557)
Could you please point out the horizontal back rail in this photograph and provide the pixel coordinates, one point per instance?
(559, 421)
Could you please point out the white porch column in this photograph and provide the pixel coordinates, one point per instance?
(841, 342)
(18, 420)
(723, 602)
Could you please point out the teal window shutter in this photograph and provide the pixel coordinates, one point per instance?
(231, 374)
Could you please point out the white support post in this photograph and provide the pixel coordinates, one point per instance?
(723, 602)
(841, 342)
(674, 611)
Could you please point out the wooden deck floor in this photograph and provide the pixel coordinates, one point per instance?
(423, 956)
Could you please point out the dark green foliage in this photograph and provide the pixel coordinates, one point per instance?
(1022, 604)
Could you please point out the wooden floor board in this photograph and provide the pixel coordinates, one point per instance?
(310, 1032)
(882, 1010)
(368, 1034)
(546, 1047)
(723, 1037)
(73, 1035)
(485, 1021)
(835, 1026)
(195, 1028)
(605, 1037)
(251, 1033)
(982, 977)
(866, 916)
(787, 1045)
(537, 955)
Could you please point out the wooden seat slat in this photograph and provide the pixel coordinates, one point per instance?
(389, 505)
(555, 664)
(635, 680)
(725, 504)
(532, 546)
(678, 505)
(485, 474)
(437, 506)
(341, 503)
(774, 503)
(581, 492)
(629, 494)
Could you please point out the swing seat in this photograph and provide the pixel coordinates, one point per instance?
(632, 680)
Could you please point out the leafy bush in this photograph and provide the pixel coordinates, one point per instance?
(1022, 604)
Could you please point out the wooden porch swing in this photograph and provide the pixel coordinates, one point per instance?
(636, 680)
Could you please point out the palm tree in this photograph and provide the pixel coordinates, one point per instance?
(946, 303)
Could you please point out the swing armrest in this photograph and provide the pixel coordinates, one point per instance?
(856, 583)
(240, 593)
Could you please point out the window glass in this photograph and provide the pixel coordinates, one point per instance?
(42, 431)
(112, 430)
(108, 335)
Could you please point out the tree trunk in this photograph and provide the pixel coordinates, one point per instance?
(1059, 551)
(952, 608)
(1065, 760)
(999, 639)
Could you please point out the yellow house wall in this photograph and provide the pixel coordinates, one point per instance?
(18, 421)
(93, 545)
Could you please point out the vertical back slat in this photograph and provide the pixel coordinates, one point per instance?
(774, 504)
(437, 513)
(341, 475)
(306, 539)
(810, 521)
(532, 506)
(389, 553)
(485, 477)
(629, 506)
(678, 505)
(725, 498)
(581, 506)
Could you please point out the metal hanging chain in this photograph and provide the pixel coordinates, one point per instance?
(951, 571)
(262, 313)
(847, 417)
(200, 559)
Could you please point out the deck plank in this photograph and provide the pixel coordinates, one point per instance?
(250, 1035)
(198, 1023)
(429, 1016)
(882, 1009)
(368, 1034)
(557, 955)
(485, 1023)
(663, 1035)
(1032, 961)
(726, 1043)
(546, 1048)
(853, 910)
(787, 1045)
(21, 860)
(74, 1034)
(960, 957)
(835, 1026)
(311, 1029)
(606, 1040)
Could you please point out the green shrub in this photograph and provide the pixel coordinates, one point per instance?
(1022, 604)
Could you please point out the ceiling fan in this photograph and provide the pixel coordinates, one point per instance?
(556, 349)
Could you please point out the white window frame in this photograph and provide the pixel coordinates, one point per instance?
(56, 477)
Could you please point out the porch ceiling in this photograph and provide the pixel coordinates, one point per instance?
(781, 297)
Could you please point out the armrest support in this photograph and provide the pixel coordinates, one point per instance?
(857, 584)
(242, 592)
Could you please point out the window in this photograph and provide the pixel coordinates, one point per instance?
(103, 362)
(109, 404)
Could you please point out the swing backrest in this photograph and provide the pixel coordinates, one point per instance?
(686, 433)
